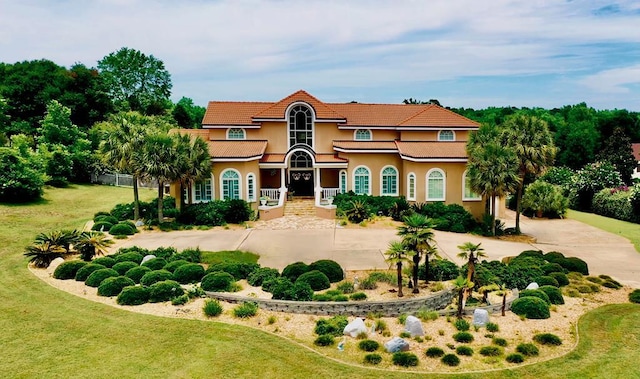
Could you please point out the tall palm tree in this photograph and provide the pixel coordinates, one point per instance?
(397, 254)
(417, 236)
(461, 285)
(471, 252)
(91, 244)
(198, 163)
(42, 254)
(532, 142)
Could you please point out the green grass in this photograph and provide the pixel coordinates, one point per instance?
(625, 229)
(213, 257)
(47, 333)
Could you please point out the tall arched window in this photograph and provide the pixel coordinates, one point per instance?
(467, 193)
(235, 133)
(389, 181)
(361, 181)
(411, 186)
(251, 187)
(362, 135)
(300, 159)
(446, 135)
(435, 185)
(300, 125)
(343, 181)
(230, 183)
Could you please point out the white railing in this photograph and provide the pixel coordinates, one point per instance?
(270, 193)
(329, 192)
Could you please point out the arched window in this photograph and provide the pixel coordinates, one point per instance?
(230, 183)
(389, 181)
(435, 185)
(362, 135)
(235, 133)
(446, 135)
(467, 193)
(411, 186)
(343, 181)
(300, 126)
(251, 187)
(300, 159)
(361, 181)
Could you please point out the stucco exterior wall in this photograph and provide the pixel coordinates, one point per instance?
(375, 163)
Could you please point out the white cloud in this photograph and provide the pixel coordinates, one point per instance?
(612, 81)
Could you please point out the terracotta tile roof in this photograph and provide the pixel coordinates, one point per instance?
(330, 158)
(232, 113)
(234, 149)
(272, 158)
(432, 150)
(277, 110)
(434, 115)
(636, 150)
(364, 145)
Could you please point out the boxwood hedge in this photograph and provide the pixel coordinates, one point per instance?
(86, 270)
(531, 307)
(96, 277)
(164, 291)
(152, 277)
(136, 273)
(123, 267)
(133, 295)
(113, 286)
(68, 270)
(188, 273)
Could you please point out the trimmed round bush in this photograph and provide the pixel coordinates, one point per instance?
(553, 256)
(130, 256)
(212, 308)
(107, 262)
(515, 358)
(464, 350)
(122, 229)
(245, 310)
(102, 226)
(450, 360)
(294, 270)
(315, 279)
(491, 351)
(105, 218)
(434, 352)
(358, 296)
(463, 337)
(152, 277)
(96, 277)
(634, 296)
(561, 278)
(547, 339)
(164, 291)
(574, 264)
(262, 274)
(189, 273)
(113, 286)
(547, 281)
(554, 294)
(324, 340)
(136, 273)
(68, 270)
(368, 345)
(155, 263)
(123, 267)
(528, 349)
(133, 295)
(283, 289)
(548, 268)
(372, 359)
(83, 272)
(439, 270)
(330, 268)
(531, 307)
(172, 266)
(535, 293)
(404, 359)
(217, 282)
(239, 270)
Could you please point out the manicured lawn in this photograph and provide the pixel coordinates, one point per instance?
(213, 257)
(47, 333)
(627, 230)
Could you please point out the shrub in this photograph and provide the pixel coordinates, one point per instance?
(499, 341)
(193, 255)
(461, 325)
(492, 327)
(324, 340)
(271, 284)
(554, 294)
(368, 345)
(426, 315)
(528, 349)
(123, 267)
(434, 352)
(180, 300)
(334, 325)
(83, 272)
(164, 291)
(515, 358)
(102, 226)
(315, 279)
(368, 284)
(440, 270)
(188, 273)
(547, 339)
(610, 283)
(172, 266)
(463, 337)
(464, 350)
(553, 256)
(96, 277)
(531, 307)
(262, 274)
(383, 277)
(346, 287)
(535, 293)
(113, 286)
(294, 270)
(560, 277)
(212, 308)
(217, 282)
(546, 198)
(634, 296)
(548, 281)
(548, 268)
(133, 295)
(165, 252)
(239, 270)
(122, 229)
(152, 277)
(450, 360)
(594, 279)
(155, 263)
(107, 262)
(68, 270)
(136, 273)
(358, 296)
(574, 264)
(491, 351)
(237, 211)
(245, 310)
(357, 212)
(131, 257)
(372, 359)
(404, 359)
(330, 268)
(104, 216)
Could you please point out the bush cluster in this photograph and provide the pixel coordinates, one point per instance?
(68, 270)
(262, 274)
(193, 255)
(107, 262)
(245, 310)
(554, 294)
(172, 266)
(239, 270)
(535, 293)
(634, 296)
(439, 270)
(122, 229)
(148, 210)
(330, 268)
(102, 226)
(216, 213)
(615, 203)
(131, 256)
(560, 277)
(324, 340)
(133, 295)
(294, 270)
(83, 272)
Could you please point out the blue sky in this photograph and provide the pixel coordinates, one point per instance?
(465, 53)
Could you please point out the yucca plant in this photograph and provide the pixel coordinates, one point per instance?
(91, 244)
(62, 238)
(358, 212)
(42, 254)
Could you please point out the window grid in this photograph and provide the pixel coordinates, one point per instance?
(435, 186)
(251, 192)
(235, 133)
(361, 181)
(230, 185)
(468, 193)
(446, 135)
(389, 181)
(300, 126)
(411, 195)
(343, 181)
(363, 135)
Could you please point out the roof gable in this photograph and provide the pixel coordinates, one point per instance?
(435, 116)
(277, 110)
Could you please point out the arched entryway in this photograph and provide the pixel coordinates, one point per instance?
(301, 176)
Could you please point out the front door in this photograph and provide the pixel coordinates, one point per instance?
(301, 182)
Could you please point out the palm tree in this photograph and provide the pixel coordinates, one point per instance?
(532, 142)
(62, 238)
(417, 236)
(43, 253)
(198, 163)
(91, 244)
(461, 284)
(397, 254)
(471, 252)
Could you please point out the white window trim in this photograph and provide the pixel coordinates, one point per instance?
(346, 180)
(239, 183)
(395, 193)
(447, 130)
(415, 184)
(444, 185)
(244, 134)
(193, 191)
(251, 175)
(464, 188)
(354, 179)
(355, 132)
(313, 123)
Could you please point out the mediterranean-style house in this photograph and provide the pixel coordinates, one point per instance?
(302, 147)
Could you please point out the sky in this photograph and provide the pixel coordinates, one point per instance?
(465, 53)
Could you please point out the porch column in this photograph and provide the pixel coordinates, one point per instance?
(282, 182)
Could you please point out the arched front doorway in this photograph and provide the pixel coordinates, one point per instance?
(301, 180)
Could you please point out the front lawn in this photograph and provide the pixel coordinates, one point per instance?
(625, 229)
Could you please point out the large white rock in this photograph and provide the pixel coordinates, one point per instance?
(147, 258)
(54, 265)
(413, 325)
(533, 286)
(396, 344)
(480, 317)
(355, 327)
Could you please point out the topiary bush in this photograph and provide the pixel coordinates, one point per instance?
(535, 293)
(239, 270)
(164, 290)
(189, 273)
(464, 350)
(334, 325)
(123, 267)
(68, 270)
(122, 229)
(574, 264)
(136, 273)
(113, 286)
(245, 310)
(554, 294)
(404, 359)
(434, 352)
(531, 307)
(515, 358)
(372, 359)
(133, 295)
(528, 349)
(155, 263)
(553, 256)
(262, 274)
(107, 262)
(96, 277)
(285, 290)
(130, 256)
(315, 279)
(547, 339)
(212, 308)
(324, 340)
(294, 270)
(463, 337)
(450, 360)
(491, 351)
(330, 268)
(368, 345)
(172, 266)
(102, 226)
(217, 282)
(547, 281)
(561, 278)
(83, 272)
(153, 277)
(634, 296)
